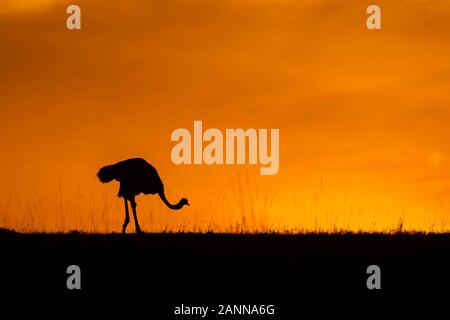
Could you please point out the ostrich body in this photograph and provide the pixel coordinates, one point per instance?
(136, 176)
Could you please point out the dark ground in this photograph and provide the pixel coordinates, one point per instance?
(183, 268)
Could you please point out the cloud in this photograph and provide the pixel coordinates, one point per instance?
(13, 7)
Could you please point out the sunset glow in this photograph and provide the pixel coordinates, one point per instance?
(363, 116)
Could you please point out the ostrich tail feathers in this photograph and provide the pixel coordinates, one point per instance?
(107, 174)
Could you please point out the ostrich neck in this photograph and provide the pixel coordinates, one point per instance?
(167, 203)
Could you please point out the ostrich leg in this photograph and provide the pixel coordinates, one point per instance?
(133, 206)
(127, 217)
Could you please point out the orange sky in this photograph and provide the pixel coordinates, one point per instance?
(363, 115)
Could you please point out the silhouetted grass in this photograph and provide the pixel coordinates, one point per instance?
(240, 208)
(338, 233)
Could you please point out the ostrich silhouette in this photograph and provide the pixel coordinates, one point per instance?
(136, 176)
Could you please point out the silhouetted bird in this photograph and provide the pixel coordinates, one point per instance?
(136, 176)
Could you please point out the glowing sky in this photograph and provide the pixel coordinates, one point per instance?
(363, 115)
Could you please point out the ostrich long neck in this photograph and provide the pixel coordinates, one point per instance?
(177, 206)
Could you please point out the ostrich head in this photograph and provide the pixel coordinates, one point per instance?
(183, 202)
